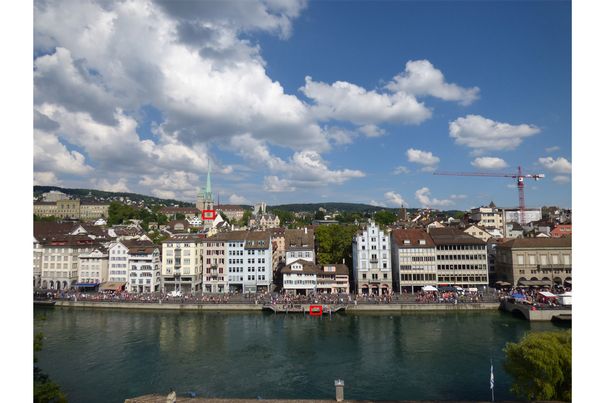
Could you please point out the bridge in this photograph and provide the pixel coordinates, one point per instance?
(533, 313)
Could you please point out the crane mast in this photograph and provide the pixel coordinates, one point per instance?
(519, 176)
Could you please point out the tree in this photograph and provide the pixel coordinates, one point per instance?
(334, 243)
(384, 218)
(319, 215)
(45, 390)
(179, 216)
(540, 365)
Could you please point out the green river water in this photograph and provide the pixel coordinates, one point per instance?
(103, 355)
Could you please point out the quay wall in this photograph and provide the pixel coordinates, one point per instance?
(392, 308)
(160, 307)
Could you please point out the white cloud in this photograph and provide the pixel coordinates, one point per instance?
(163, 194)
(422, 78)
(305, 169)
(425, 158)
(46, 179)
(275, 184)
(561, 179)
(457, 197)
(50, 155)
(120, 186)
(552, 149)
(339, 136)
(237, 199)
(489, 163)
(558, 165)
(401, 170)
(395, 199)
(423, 195)
(345, 101)
(482, 134)
(377, 204)
(371, 130)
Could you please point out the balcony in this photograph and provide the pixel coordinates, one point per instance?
(548, 267)
(373, 260)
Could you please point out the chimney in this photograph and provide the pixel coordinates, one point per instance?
(305, 230)
(340, 390)
(343, 260)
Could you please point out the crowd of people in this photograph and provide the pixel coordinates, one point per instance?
(265, 298)
(533, 296)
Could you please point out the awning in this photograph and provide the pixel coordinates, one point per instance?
(547, 294)
(536, 283)
(429, 288)
(504, 283)
(84, 285)
(111, 286)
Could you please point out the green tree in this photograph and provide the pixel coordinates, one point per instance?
(540, 365)
(334, 243)
(319, 215)
(246, 217)
(180, 216)
(45, 390)
(384, 218)
(224, 216)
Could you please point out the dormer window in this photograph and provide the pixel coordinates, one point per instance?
(422, 242)
(406, 242)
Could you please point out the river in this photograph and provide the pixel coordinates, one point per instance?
(103, 355)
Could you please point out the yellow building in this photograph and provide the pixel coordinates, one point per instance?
(72, 209)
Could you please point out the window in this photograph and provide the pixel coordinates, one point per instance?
(555, 259)
(532, 259)
(520, 259)
(566, 259)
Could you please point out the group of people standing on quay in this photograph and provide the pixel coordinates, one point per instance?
(533, 295)
(264, 298)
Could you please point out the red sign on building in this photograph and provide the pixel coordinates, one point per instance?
(315, 310)
(208, 214)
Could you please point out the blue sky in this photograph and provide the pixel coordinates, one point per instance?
(306, 102)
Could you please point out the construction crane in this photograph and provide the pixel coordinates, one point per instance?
(520, 176)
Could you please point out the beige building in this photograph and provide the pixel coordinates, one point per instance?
(414, 260)
(60, 260)
(72, 209)
(488, 217)
(333, 279)
(299, 244)
(534, 261)
(93, 268)
(182, 263)
(213, 264)
(278, 239)
(478, 232)
(232, 212)
(53, 196)
(461, 259)
(264, 221)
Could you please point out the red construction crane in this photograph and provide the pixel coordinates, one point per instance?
(520, 176)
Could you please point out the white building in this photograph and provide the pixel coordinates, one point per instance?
(118, 263)
(414, 260)
(249, 260)
(488, 217)
(299, 244)
(53, 196)
(182, 263)
(144, 274)
(195, 221)
(478, 232)
(372, 261)
(530, 214)
(300, 277)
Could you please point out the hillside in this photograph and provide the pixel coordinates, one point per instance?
(110, 196)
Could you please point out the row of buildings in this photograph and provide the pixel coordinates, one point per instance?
(71, 255)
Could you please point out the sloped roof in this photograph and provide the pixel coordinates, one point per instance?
(453, 236)
(537, 243)
(414, 236)
(307, 267)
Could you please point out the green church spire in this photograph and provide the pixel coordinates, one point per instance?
(208, 185)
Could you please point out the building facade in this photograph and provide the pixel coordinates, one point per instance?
(72, 209)
(118, 263)
(488, 217)
(264, 221)
(249, 261)
(93, 267)
(60, 259)
(181, 268)
(144, 261)
(372, 261)
(300, 277)
(232, 212)
(299, 244)
(477, 232)
(534, 261)
(213, 264)
(333, 279)
(461, 259)
(414, 260)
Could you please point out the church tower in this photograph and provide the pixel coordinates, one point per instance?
(204, 198)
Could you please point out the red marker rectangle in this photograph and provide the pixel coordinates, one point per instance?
(208, 214)
(315, 310)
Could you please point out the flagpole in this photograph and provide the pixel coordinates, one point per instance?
(491, 377)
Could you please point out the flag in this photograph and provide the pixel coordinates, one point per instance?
(491, 377)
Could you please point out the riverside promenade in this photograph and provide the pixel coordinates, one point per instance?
(252, 307)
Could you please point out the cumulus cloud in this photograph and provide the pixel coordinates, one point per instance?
(558, 165)
(401, 170)
(489, 163)
(423, 195)
(237, 199)
(561, 179)
(395, 199)
(425, 158)
(376, 203)
(346, 101)
(371, 130)
(483, 134)
(274, 184)
(422, 78)
(50, 155)
(46, 179)
(120, 186)
(458, 197)
(303, 170)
